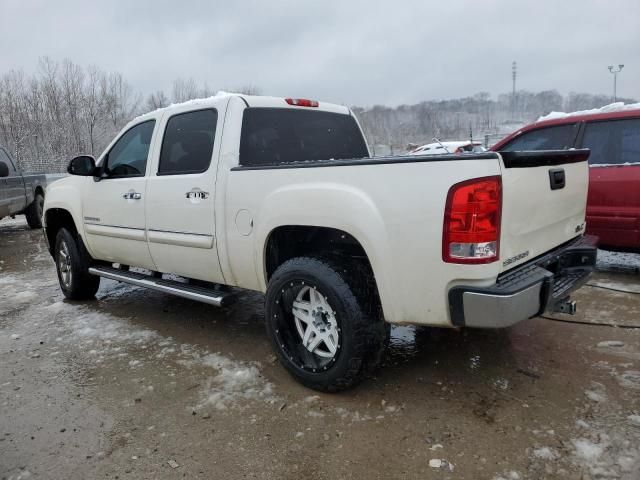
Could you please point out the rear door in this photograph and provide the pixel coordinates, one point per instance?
(544, 193)
(613, 208)
(181, 194)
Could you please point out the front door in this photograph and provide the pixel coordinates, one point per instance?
(180, 195)
(114, 207)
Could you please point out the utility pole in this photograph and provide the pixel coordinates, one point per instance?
(615, 72)
(514, 74)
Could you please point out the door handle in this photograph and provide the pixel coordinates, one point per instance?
(132, 196)
(556, 178)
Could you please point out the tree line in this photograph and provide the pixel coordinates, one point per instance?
(64, 109)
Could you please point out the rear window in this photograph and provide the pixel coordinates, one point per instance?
(613, 142)
(560, 137)
(272, 136)
(188, 143)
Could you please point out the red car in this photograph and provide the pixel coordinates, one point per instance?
(613, 206)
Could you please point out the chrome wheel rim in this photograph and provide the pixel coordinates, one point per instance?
(64, 264)
(316, 323)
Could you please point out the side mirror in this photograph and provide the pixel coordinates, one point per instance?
(4, 170)
(83, 165)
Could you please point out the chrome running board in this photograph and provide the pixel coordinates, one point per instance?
(192, 292)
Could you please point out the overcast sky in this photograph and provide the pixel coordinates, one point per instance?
(357, 53)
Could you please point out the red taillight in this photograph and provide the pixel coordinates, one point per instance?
(301, 102)
(472, 221)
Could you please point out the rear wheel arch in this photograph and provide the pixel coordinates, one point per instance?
(289, 241)
(286, 242)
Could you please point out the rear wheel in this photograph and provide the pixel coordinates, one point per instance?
(34, 212)
(320, 321)
(72, 264)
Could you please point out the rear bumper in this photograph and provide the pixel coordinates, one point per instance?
(526, 291)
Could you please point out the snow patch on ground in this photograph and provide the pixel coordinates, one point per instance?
(610, 343)
(234, 380)
(607, 446)
(511, 475)
(545, 453)
(587, 450)
(596, 393)
(607, 258)
(629, 379)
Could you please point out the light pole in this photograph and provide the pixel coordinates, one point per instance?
(615, 72)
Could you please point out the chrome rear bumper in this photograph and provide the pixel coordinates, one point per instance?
(526, 291)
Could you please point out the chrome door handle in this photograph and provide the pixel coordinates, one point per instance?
(132, 196)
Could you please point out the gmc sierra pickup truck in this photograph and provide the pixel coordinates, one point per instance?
(21, 193)
(281, 196)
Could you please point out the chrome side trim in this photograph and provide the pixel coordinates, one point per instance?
(193, 240)
(184, 292)
(127, 233)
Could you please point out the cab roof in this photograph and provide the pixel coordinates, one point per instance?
(257, 101)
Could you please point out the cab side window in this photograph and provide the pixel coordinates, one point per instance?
(128, 157)
(187, 145)
(560, 137)
(613, 142)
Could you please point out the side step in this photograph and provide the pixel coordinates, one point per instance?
(199, 294)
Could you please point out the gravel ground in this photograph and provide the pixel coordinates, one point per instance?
(142, 385)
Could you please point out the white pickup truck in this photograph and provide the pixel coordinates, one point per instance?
(280, 196)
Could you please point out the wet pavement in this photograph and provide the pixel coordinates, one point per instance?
(143, 385)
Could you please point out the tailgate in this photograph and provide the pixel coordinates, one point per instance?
(544, 196)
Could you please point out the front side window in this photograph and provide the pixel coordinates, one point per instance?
(272, 136)
(128, 157)
(560, 137)
(187, 146)
(613, 142)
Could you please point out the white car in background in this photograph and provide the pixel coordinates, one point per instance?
(442, 148)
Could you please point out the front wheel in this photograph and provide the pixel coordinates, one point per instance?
(324, 322)
(72, 264)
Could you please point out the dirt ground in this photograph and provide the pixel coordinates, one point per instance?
(143, 385)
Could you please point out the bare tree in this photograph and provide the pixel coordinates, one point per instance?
(184, 90)
(157, 100)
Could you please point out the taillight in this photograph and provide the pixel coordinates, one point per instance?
(472, 221)
(301, 102)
